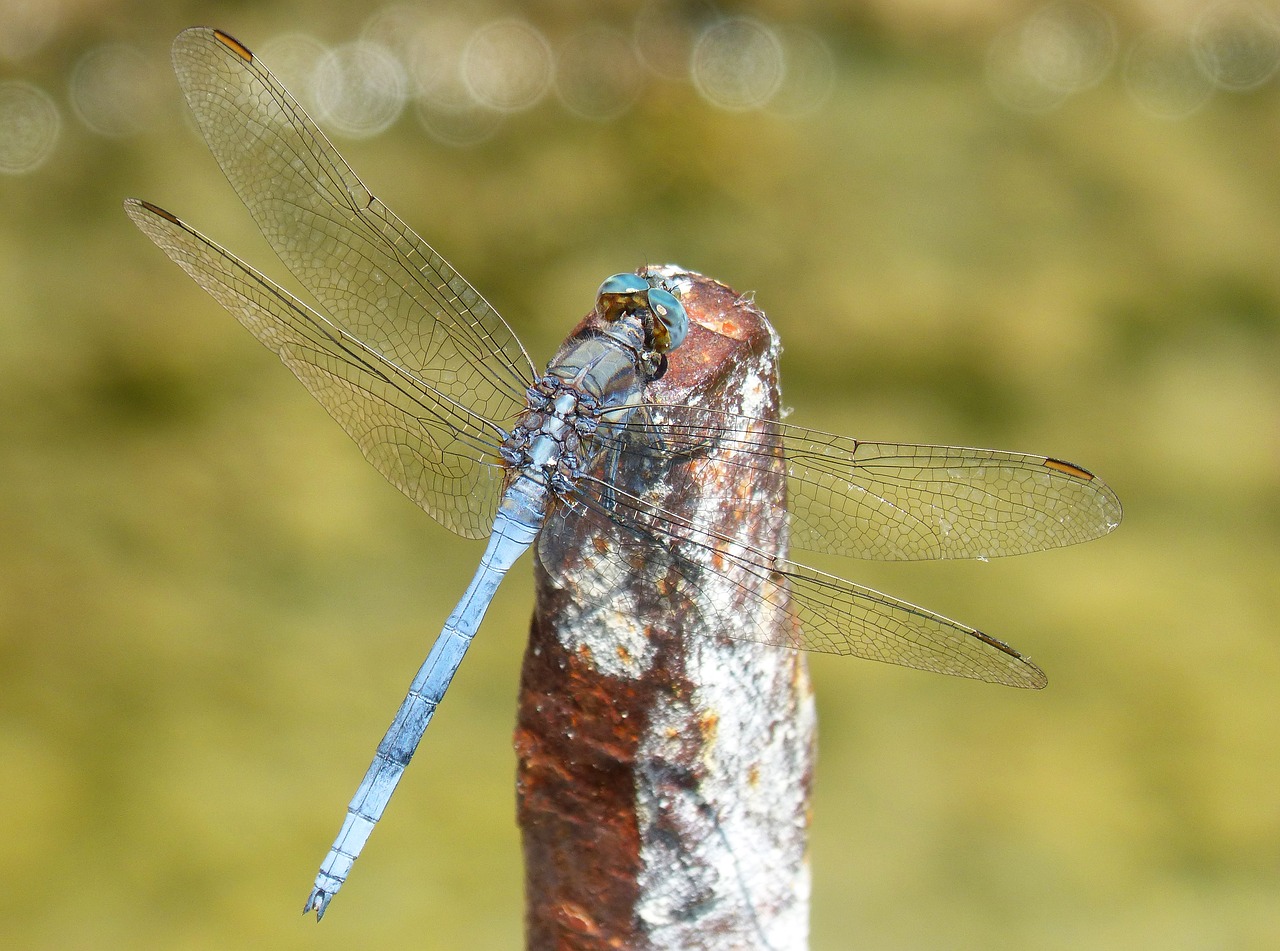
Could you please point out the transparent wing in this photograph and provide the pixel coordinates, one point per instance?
(885, 501)
(629, 540)
(432, 449)
(370, 273)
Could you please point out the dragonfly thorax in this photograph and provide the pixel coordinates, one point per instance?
(597, 377)
(547, 442)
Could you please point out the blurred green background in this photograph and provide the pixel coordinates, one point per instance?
(1032, 226)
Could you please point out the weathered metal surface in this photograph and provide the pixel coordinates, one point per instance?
(664, 767)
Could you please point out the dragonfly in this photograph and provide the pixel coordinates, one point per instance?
(441, 397)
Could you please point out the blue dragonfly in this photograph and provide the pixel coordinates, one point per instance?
(441, 398)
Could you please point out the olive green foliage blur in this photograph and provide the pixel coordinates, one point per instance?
(210, 604)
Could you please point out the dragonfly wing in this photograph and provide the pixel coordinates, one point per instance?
(899, 501)
(433, 450)
(889, 501)
(628, 542)
(371, 274)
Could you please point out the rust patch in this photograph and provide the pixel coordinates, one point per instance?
(576, 739)
(578, 919)
(708, 726)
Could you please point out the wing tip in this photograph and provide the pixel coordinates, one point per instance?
(1114, 510)
(1023, 672)
(1036, 678)
(197, 35)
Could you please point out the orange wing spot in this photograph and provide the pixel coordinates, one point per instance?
(159, 212)
(1066, 468)
(231, 43)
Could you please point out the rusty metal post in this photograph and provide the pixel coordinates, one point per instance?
(664, 769)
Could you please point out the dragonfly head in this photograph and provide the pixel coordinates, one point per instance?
(666, 323)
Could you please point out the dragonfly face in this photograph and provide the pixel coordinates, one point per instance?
(666, 323)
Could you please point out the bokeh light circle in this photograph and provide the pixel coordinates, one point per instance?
(1237, 44)
(507, 65)
(29, 127)
(1070, 45)
(444, 103)
(113, 89)
(360, 89)
(1015, 77)
(738, 64)
(292, 59)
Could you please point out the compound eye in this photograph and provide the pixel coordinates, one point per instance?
(619, 293)
(672, 321)
(625, 283)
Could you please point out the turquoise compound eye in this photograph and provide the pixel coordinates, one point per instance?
(670, 313)
(625, 284)
(621, 292)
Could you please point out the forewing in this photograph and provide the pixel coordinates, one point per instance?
(888, 501)
(370, 273)
(898, 501)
